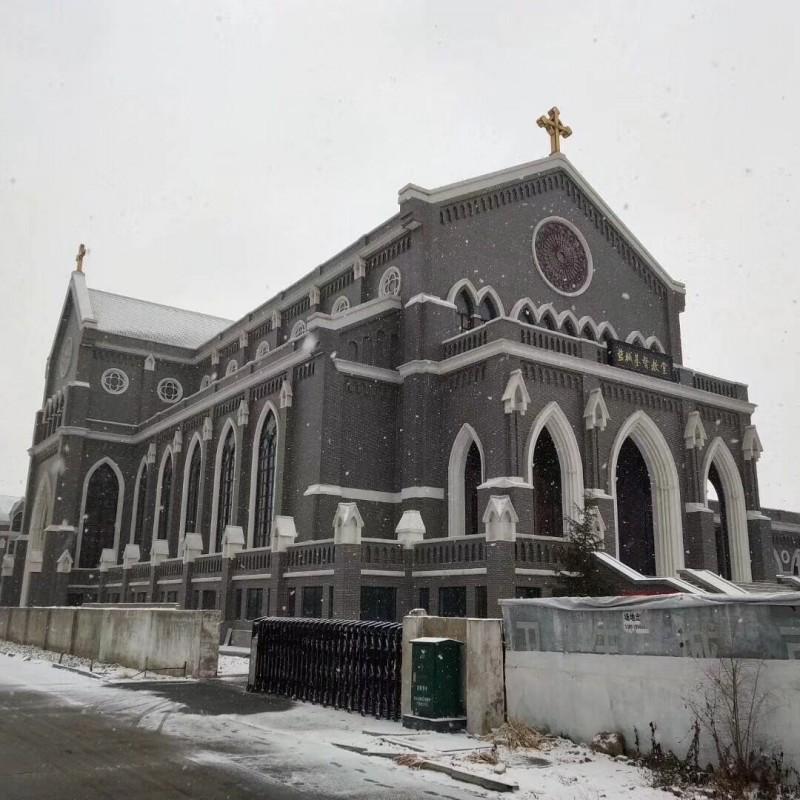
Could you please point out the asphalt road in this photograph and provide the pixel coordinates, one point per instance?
(68, 737)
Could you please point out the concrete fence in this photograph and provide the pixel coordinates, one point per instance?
(141, 638)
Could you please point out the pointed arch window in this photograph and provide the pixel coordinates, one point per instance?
(165, 500)
(548, 322)
(569, 328)
(526, 316)
(265, 481)
(588, 333)
(100, 515)
(193, 491)
(141, 500)
(472, 479)
(465, 309)
(548, 517)
(226, 476)
(487, 309)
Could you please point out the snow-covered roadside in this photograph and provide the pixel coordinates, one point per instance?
(232, 665)
(108, 672)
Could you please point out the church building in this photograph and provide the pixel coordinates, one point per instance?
(415, 423)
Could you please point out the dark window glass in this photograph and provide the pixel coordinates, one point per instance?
(472, 479)
(378, 603)
(548, 512)
(225, 499)
(526, 316)
(193, 492)
(721, 530)
(172, 597)
(330, 601)
(165, 500)
(312, 601)
(16, 525)
(487, 309)
(569, 328)
(237, 609)
(453, 601)
(425, 599)
(521, 592)
(209, 599)
(265, 481)
(100, 516)
(255, 599)
(481, 604)
(635, 511)
(141, 501)
(588, 333)
(465, 310)
(548, 322)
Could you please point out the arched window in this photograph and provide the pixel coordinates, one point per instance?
(100, 515)
(298, 330)
(472, 479)
(16, 523)
(569, 328)
(721, 532)
(548, 321)
(226, 476)
(352, 351)
(607, 337)
(165, 500)
(547, 500)
(487, 309)
(262, 349)
(231, 367)
(465, 309)
(526, 316)
(193, 491)
(265, 482)
(141, 500)
(588, 333)
(637, 546)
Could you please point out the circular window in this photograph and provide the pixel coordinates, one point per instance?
(341, 305)
(262, 349)
(562, 256)
(231, 367)
(390, 283)
(65, 359)
(114, 381)
(169, 390)
(299, 329)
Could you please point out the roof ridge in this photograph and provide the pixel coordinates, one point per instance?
(161, 305)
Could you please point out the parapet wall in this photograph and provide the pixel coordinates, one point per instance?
(141, 638)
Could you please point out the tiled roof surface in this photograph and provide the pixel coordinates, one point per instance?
(153, 322)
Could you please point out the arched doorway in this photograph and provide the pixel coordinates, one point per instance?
(100, 516)
(548, 519)
(472, 479)
(636, 536)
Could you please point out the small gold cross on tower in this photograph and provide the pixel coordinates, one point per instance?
(552, 124)
(79, 258)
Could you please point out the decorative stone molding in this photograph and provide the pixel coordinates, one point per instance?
(598, 524)
(243, 340)
(596, 414)
(359, 269)
(751, 444)
(150, 363)
(177, 441)
(232, 541)
(516, 396)
(286, 395)
(159, 551)
(151, 453)
(108, 559)
(208, 429)
(411, 529)
(500, 519)
(191, 547)
(347, 524)
(243, 414)
(275, 319)
(504, 482)
(313, 296)
(284, 533)
(64, 563)
(130, 555)
(694, 434)
(214, 358)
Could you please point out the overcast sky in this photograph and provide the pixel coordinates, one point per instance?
(211, 153)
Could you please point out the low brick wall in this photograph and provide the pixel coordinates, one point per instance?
(141, 638)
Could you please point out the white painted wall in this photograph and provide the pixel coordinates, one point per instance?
(580, 694)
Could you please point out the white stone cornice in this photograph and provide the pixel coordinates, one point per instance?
(430, 298)
(367, 371)
(374, 496)
(355, 314)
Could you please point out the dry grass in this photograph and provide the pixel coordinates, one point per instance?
(485, 756)
(517, 735)
(410, 760)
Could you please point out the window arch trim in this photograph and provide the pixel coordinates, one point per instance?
(120, 504)
(269, 408)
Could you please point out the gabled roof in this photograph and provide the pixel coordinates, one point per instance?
(451, 191)
(140, 319)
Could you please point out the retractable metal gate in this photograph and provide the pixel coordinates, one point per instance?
(340, 663)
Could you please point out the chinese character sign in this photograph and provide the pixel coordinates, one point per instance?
(639, 359)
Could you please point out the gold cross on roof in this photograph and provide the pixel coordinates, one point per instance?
(552, 124)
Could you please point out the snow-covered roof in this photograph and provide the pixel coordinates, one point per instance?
(127, 316)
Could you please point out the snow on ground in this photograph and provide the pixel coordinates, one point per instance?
(298, 742)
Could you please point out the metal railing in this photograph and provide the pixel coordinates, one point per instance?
(339, 663)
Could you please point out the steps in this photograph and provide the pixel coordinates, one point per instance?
(767, 587)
